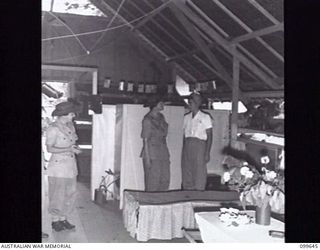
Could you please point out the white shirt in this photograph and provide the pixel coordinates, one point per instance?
(197, 126)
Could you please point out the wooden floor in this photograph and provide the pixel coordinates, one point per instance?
(94, 223)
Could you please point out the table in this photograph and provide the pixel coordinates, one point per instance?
(162, 215)
(213, 230)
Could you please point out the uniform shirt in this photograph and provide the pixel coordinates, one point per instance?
(196, 127)
(155, 129)
(62, 164)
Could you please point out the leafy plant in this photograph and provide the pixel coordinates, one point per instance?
(257, 187)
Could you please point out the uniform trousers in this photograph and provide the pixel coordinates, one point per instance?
(157, 174)
(194, 169)
(62, 197)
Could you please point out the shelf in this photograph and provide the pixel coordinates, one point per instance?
(248, 130)
(262, 143)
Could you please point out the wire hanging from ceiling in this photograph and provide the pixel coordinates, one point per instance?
(107, 29)
(84, 55)
(73, 34)
(112, 19)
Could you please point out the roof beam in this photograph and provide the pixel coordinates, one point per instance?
(264, 94)
(168, 34)
(168, 21)
(222, 51)
(264, 11)
(209, 67)
(235, 96)
(139, 35)
(187, 38)
(257, 61)
(148, 17)
(177, 30)
(225, 44)
(248, 94)
(225, 35)
(258, 33)
(191, 41)
(163, 29)
(248, 29)
(201, 44)
(189, 27)
(68, 68)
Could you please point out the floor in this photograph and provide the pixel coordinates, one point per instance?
(94, 223)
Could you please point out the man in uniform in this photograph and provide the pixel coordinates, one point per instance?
(197, 141)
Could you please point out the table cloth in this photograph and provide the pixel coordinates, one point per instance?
(162, 215)
(213, 230)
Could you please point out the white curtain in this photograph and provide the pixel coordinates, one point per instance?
(103, 145)
(132, 174)
(129, 118)
(116, 144)
(220, 139)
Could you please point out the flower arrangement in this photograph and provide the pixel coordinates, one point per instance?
(259, 187)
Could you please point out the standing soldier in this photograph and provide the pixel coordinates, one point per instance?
(197, 141)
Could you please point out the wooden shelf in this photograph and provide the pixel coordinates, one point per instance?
(262, 143)
(248, 130)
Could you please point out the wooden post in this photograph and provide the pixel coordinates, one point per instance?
(173, 72)
(95, 82)
(235, 97)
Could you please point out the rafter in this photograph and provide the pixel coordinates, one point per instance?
(148, 18)
(248, 29)
(226, 36)
(223, 52)
(163, 43)
(258, 33)
(173, 51)
(235, 95)
(257, 61)
(209, 67)
(264, 11)
(223, 75)
(187, 38)
(222, 42)
(101, 3)
(201, 44)
(262, 94)
(168, 21)
(250, 94)
(182, 34)
(163, 29)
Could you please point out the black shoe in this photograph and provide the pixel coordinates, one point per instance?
(45, 235)
(67, 225)
(57, 226)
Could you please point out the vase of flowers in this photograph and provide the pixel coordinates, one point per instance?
(261, 187)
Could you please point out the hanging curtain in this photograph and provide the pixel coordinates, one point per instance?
(103, 145)
(129, 121)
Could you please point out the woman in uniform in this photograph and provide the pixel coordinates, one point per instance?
(155, 153)
(62, 167)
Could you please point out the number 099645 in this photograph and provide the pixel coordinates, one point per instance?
(308, 245)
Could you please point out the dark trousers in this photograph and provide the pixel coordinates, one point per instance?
(157, 175)
(194, 169)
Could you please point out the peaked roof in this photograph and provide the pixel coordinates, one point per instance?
(201, 38)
